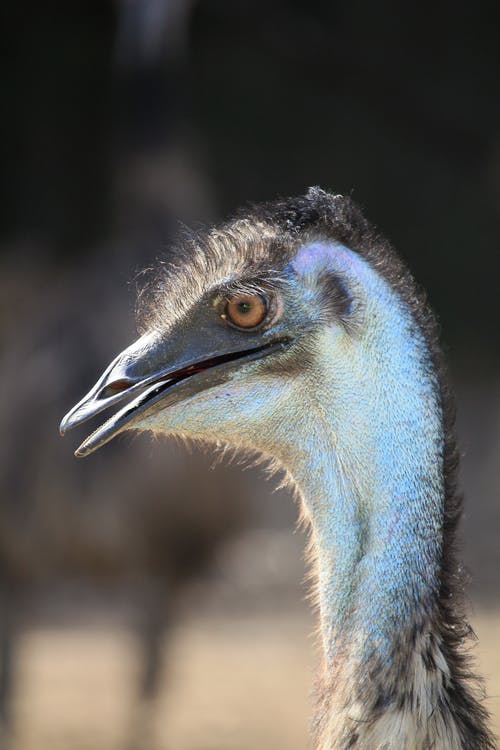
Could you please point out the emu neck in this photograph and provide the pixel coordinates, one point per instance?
(374, 496)
(372, 474)
(375, 500)
(372, 486)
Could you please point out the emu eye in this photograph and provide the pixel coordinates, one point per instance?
(246, 310)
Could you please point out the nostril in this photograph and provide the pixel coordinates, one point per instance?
(117, 386)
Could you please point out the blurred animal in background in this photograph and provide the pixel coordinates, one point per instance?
(142, 521)
(295, 332)
(145, 520)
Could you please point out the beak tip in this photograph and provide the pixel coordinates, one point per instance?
(73, 418)
(67, 422)
(85, 449)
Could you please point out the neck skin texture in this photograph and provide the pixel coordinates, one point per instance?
(374, 495)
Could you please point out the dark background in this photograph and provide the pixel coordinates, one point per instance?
(123, 120)
(393, 103)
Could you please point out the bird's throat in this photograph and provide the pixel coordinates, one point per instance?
(371, 477)
(376, 525)
(373, 490)
(374, 496)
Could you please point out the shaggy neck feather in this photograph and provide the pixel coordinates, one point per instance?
(371, 481)
(375, 500)
(375, 490)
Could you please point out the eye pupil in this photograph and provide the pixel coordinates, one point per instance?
(246, 310)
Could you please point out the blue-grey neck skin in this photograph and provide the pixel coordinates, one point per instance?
(371, 476)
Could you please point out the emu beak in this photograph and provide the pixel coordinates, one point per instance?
(155, 373)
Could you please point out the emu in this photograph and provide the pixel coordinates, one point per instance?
(295, 332)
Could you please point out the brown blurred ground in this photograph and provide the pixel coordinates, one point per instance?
(235, 683)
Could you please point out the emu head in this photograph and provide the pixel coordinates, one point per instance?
(248, 332)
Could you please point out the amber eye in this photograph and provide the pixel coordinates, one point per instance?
(246, 310)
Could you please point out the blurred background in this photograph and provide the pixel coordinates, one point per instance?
(148, 600)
